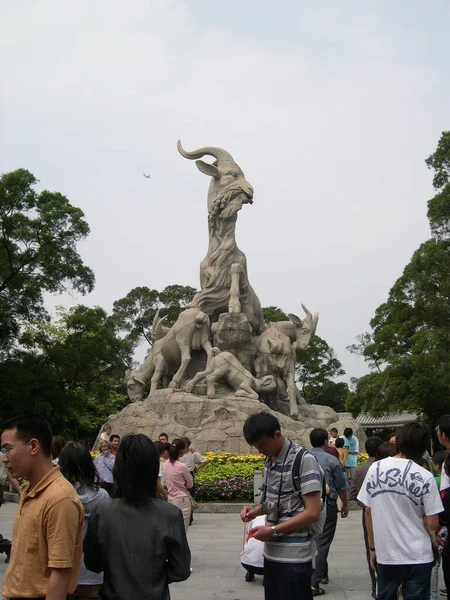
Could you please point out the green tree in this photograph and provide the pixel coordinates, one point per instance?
(134, 314)
(71, 370)
(272, 314)
(410, 335)
(316, 368)
(38, 252)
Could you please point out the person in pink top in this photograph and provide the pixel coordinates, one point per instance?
(178, 480)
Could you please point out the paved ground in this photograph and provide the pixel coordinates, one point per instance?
(216, 541)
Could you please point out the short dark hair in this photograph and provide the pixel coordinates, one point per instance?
(162, 447)
(385, 450)
(258, 425)
(318, 437)
(334, 429)
(114, 436)
(412, 440)
(77, 466)
(444, 425)
(339, 443)
(348, 431)
(372, 445)
(165, 434)
(136, 469)
(58, 443)
(175, 448)
(32, 427)
(438, 458)
(187, 441)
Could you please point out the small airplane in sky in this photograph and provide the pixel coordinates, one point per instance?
(147, 176)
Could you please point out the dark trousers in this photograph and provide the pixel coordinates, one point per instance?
(446, 570)
(366, 542)
(283, 581)
(323, 543)
(414, 579)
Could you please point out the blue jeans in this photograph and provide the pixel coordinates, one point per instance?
(414, 579)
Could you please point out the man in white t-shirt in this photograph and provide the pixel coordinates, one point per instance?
(401, 499)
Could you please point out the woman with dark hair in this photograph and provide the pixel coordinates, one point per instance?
(385, 450)
(77, 466)
(136, 539)
(58, 443)
(178, 480)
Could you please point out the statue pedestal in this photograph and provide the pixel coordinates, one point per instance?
(215, 424)
(233, 333)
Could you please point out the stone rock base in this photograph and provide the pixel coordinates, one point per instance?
(214, 425)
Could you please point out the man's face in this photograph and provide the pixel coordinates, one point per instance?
(163, 439)
(18, 458)
(443, 439)
(270, 446)
(115, 443)
(186, 449)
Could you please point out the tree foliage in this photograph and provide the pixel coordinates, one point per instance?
(272, 314)
(70, 370)
(38, 252)
(410, 338)
(316, 368)
(134, 314)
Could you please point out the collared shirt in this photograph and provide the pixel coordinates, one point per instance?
(334, 473)
(351, 444)
(294, 547)
(104, 466)
(358, 478)
(190, 459)
(177, 479)
(47, 534)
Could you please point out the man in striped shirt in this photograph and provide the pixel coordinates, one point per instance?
(288, 548)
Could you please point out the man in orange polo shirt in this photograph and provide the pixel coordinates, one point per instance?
(47, 539)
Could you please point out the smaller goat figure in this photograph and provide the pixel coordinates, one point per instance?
(225, 365)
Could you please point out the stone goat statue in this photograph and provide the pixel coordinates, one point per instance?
(225, 365)
(170, 353)
(223, 272)
(298, 331)
(275, 356)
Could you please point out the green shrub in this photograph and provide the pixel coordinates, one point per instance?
(227, 477)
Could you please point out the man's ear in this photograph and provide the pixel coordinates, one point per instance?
(35, 446)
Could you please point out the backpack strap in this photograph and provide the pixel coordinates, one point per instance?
(296, 473)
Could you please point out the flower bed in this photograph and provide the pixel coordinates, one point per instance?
(227, 478)
(362, 458)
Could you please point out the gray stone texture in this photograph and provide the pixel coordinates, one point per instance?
(214, 424)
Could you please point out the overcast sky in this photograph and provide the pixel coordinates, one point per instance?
(330, 109)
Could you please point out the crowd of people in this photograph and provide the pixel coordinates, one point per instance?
(74, 509)
(404, 521)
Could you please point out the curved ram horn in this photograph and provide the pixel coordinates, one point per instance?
(307, 312)
(157, 331)
(219, 153)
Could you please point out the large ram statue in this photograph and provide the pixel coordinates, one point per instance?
(171, 352)
(223, 272)
(275, 356)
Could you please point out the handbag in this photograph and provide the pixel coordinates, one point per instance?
(194, 504)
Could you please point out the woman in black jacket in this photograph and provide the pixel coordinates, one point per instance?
(136, 539)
